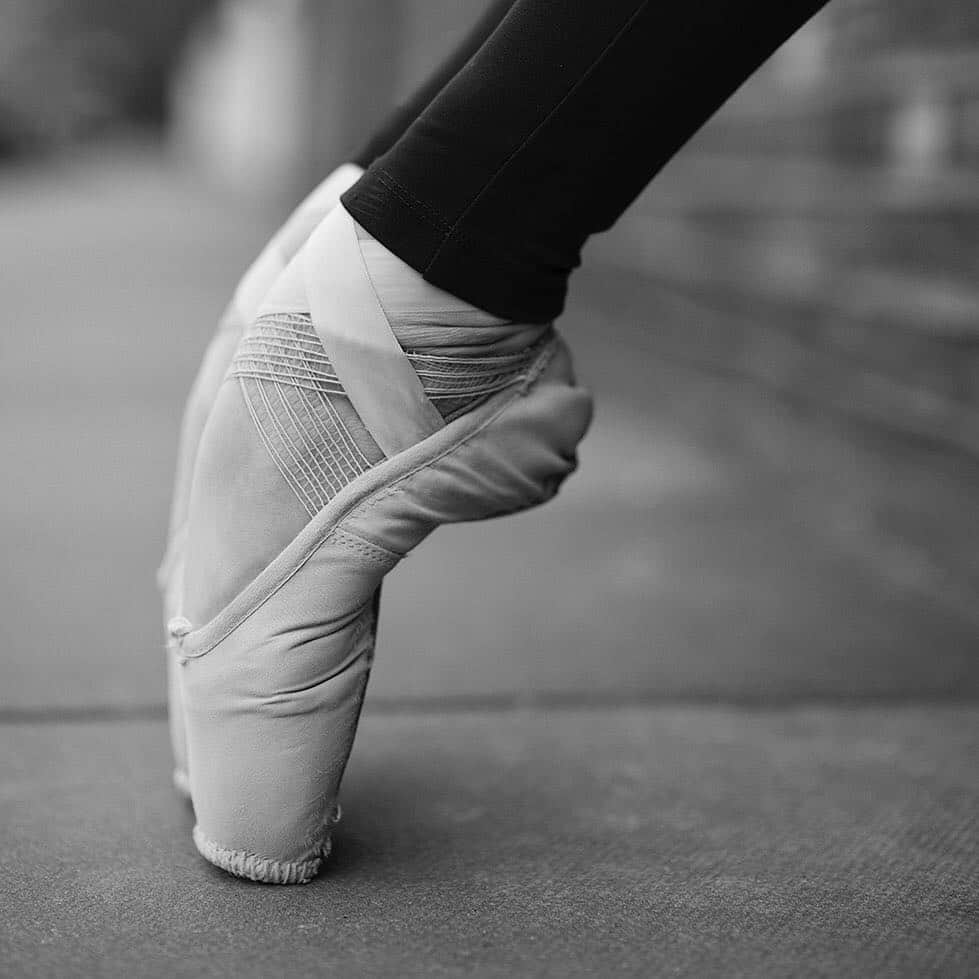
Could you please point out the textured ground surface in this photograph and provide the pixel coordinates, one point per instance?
(548, 780)
(661, 841)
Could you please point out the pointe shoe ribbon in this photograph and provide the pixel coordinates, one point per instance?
(370, 364)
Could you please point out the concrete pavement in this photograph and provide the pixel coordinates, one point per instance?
(625, 842)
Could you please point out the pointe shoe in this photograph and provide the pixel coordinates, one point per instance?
(240, 313)
(272, 684)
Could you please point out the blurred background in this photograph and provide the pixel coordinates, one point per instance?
(779, 497)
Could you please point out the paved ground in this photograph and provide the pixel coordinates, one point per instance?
(548, 781)
(662, 841)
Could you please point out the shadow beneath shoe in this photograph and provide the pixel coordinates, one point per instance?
(389, 824)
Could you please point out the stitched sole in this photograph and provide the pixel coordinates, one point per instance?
(265, 870)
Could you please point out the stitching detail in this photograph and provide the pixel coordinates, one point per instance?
(474, 246)
(251, 866)
(400, 191)
(405, 197)
(439, 224)
(368, 548)
(289, 386)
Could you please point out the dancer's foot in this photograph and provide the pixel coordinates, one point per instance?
(330, 454)
(285, 439)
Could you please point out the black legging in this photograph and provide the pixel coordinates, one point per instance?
(546, 133)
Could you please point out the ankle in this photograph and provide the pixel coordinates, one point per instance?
(425, 318)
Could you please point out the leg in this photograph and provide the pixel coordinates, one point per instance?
(548, 134)
(368, 405)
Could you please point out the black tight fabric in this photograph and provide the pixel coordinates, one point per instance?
(549, 131)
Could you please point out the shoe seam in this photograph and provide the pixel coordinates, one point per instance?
(360, 544)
